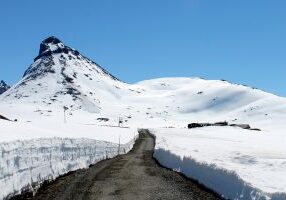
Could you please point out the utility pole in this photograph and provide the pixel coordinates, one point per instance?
(120, 121)
(65, 118)
(119, 145)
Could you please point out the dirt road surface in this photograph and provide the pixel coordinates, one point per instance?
(133, 176)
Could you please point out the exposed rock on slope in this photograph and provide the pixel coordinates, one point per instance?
(3, 87)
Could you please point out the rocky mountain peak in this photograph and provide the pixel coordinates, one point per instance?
(50, 44)
(62, 61)
(53, 45)
(52, 40)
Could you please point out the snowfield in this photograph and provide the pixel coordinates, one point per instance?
(239, 164)
(45, 141)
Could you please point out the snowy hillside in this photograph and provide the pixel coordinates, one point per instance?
(61, 76)
(94, 99)
(3, 87)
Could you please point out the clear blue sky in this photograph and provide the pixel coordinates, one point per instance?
(243, 41)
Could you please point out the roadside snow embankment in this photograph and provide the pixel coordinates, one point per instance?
(237, 164)
(25, 164)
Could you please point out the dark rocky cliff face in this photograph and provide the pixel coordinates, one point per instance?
(3, 87)
(53, 45)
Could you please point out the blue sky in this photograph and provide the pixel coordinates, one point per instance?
(241, 41)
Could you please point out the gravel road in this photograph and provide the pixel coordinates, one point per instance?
(135, 175)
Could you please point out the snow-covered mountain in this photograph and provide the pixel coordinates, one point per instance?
(62, 77)
(3, 87)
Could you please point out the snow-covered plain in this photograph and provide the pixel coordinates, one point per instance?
(61, 76)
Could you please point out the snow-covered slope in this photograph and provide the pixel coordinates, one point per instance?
(61, 77)
(3, 87)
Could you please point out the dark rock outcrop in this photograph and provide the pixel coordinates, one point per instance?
(4, 118)
(3, 87)
(243, 126)
(198, 125)
(53, 45)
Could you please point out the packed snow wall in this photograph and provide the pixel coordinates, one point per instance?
(24, 165)
(224, 182)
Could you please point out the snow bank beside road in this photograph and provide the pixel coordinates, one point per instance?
(36, 157)
(237, 164)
